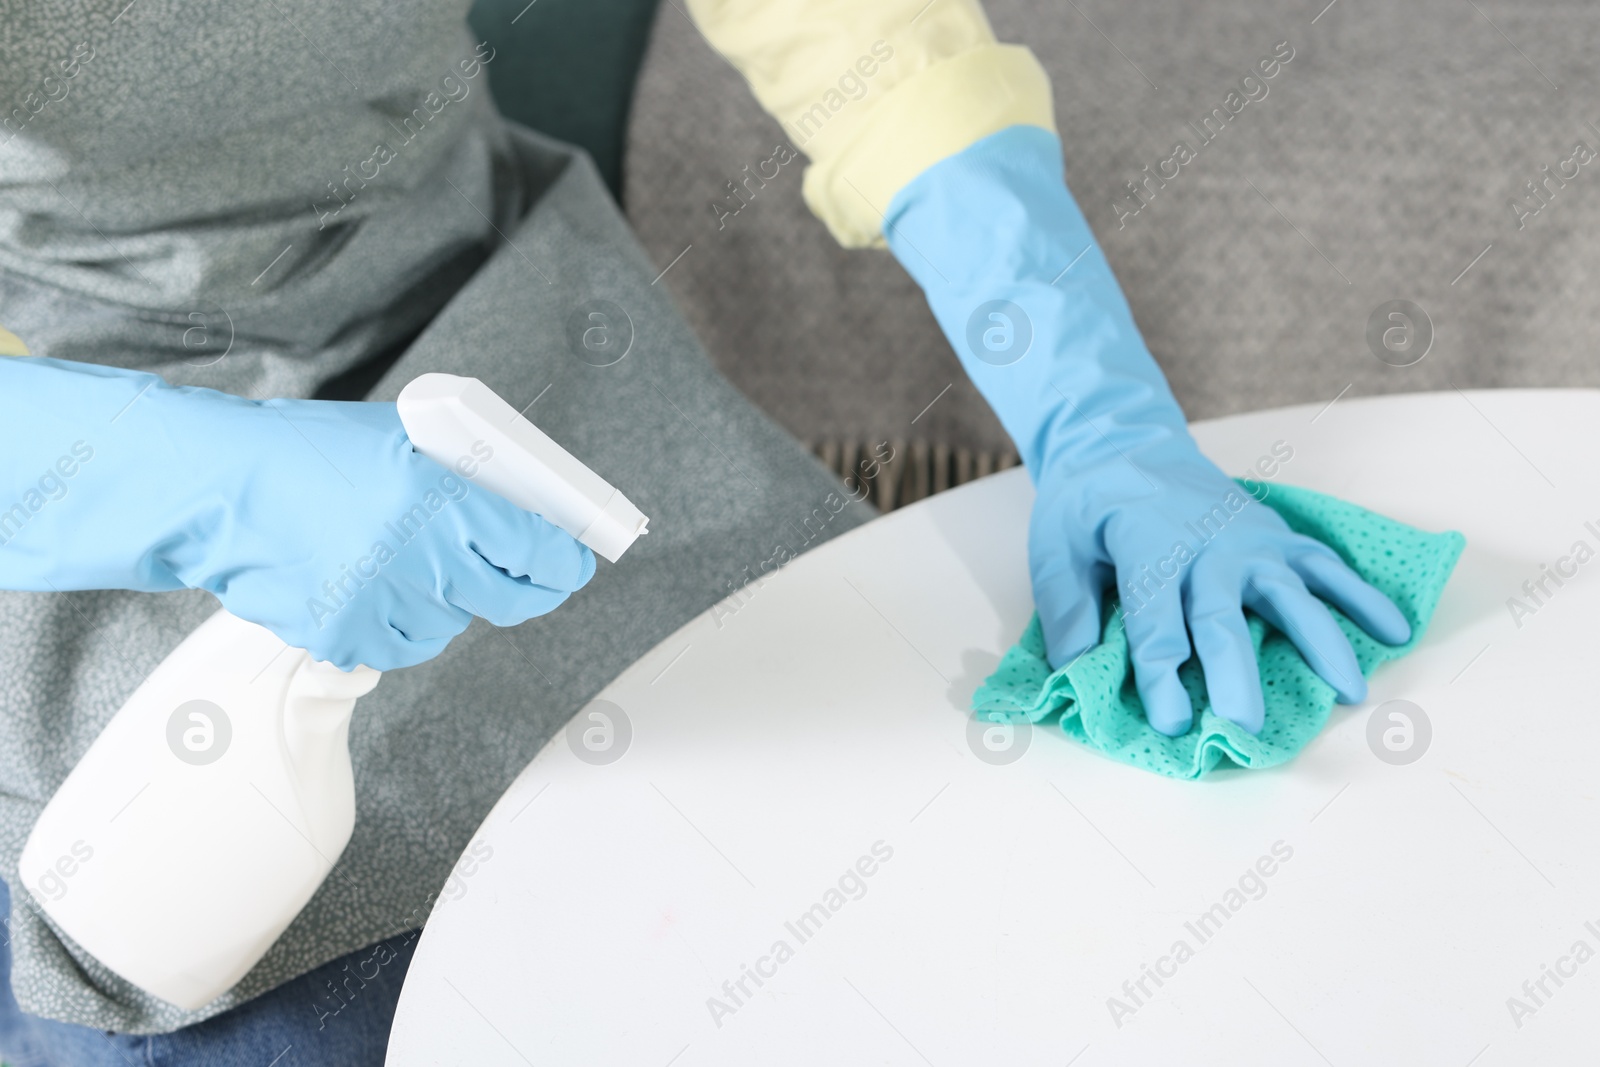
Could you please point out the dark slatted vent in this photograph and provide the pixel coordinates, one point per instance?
(901, 472)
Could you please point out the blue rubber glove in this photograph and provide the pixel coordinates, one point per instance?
(315, 519)
(1021, 289)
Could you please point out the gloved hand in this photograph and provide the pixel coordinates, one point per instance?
(1019, 286)
(315, 519)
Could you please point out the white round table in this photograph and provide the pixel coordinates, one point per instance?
(800, 857)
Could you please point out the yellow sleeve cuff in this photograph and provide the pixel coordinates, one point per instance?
(874, 92)
(11, 344)
(932, 115)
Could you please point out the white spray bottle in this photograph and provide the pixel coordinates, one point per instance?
(217, 800)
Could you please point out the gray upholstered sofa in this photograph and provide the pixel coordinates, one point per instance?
(1381, 162)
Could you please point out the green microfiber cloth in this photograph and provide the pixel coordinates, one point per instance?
(1099, 705)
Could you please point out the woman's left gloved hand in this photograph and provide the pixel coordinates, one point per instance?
(1019, 286)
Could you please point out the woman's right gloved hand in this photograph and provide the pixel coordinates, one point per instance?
(1126, 503)
(316, 519)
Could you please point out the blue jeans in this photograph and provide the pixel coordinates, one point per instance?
(337, 1015)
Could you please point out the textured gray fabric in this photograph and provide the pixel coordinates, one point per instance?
(434, 745)
(1390, 144)
(196, 146)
